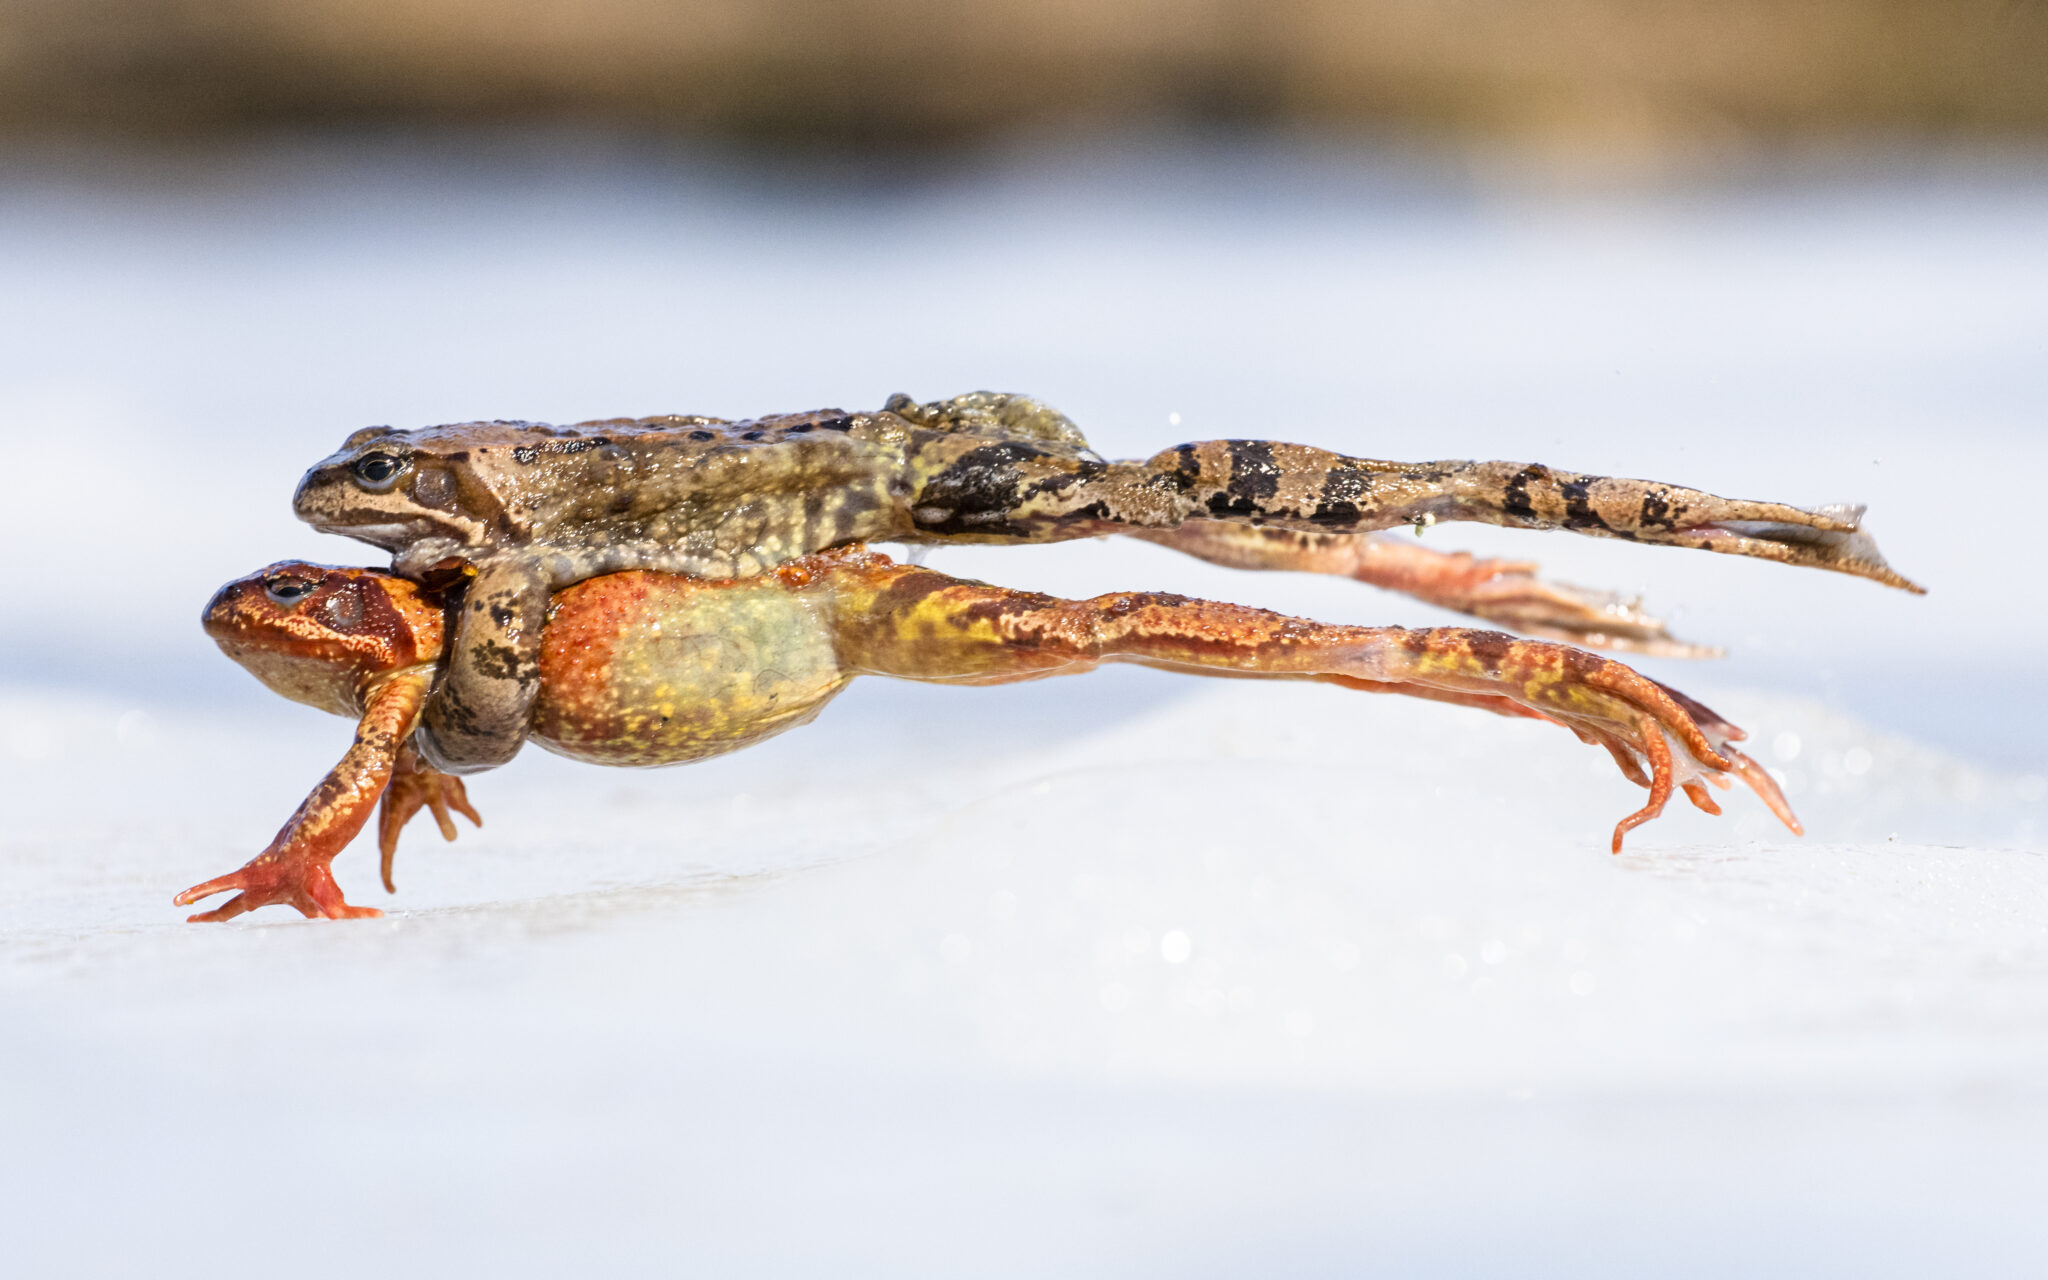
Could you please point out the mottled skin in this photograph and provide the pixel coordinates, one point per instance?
(641, 668)
(536, 508)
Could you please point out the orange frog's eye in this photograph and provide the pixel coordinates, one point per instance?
(288, 589)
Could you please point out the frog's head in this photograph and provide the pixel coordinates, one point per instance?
(394, 489)
(319, 634)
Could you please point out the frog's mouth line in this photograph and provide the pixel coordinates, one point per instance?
(388, 536)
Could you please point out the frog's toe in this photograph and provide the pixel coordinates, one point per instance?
(307, 887)
(1576, 615)
(413, 787)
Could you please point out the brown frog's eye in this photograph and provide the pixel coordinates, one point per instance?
(378, 471)
(288, 589)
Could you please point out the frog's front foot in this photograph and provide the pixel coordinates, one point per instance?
(276, 878)
(415, 786)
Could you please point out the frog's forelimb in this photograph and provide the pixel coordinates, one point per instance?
(478, 716)
(1507, 592)
(345, 641)
(296, 869)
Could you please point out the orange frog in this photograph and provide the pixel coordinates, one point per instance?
(644, 668)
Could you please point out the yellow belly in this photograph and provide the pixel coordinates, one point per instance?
(654, 669)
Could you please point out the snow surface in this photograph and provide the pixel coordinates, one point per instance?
(1130, 974)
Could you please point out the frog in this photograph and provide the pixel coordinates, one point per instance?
(534, 508)
(644, 668)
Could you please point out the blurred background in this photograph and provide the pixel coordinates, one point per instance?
(1581, 75)
(1100, 976)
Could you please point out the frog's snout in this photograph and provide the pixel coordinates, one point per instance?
(214, 618)
(257, 600)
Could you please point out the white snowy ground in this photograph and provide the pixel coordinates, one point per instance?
(1130, 974)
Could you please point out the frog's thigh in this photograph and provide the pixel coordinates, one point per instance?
(478, 718)
(649, 669)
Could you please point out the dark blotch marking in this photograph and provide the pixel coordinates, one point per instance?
(1515, 496)
(496, 661)
(978, 490)
(1656, 509)
(842, 423)
(1578, 506)
(752, 435)
(703, 435)
(1253, 473)
(1187, 469)
(1490, 648)
(1338, 502)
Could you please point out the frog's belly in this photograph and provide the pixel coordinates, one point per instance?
(654, 669)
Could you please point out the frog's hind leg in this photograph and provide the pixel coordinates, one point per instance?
(1025, 490)
(1506, 592)
(921, 625)
(296, 869)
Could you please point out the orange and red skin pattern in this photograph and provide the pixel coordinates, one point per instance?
(643, 669)
(353, 646)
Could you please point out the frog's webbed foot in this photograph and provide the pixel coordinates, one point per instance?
(1513, 596)
(1658, 737)
(415, 786)
(276, 877)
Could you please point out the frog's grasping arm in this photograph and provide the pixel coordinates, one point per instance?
(295, 869)
(918, 624)
(478, 716)
(1503, 591)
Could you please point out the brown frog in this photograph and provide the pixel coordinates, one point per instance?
(643, 668)
(535, 508)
